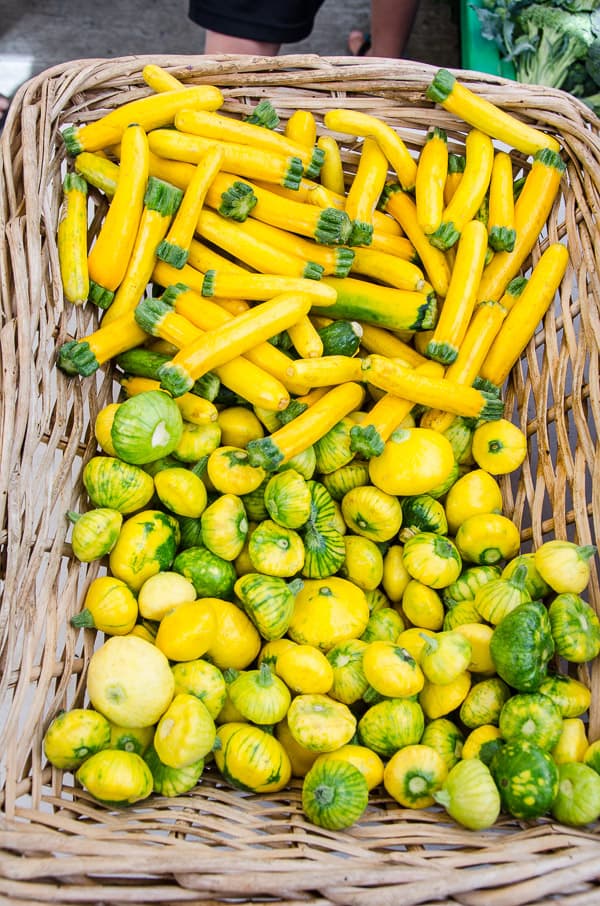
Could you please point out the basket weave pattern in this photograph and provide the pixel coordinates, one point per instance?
(215, 845)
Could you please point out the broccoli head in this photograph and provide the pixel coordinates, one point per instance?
(552, 39)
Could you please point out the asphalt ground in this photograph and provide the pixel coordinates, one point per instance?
(43, 33)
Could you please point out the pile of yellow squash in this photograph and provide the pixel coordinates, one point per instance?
(308, 571)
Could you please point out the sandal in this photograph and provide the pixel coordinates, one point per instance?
(361, 41)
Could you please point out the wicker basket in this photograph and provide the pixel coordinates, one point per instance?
(215, 845)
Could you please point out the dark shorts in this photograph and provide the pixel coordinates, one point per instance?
(277, 21)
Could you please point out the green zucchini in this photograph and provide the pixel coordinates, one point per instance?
(384, 306)
(145, 363)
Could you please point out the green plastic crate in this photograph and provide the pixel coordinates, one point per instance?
(477, 53)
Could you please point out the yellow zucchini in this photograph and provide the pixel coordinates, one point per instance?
(326, 371)
(432, 172)
(384, 342)
(354, 122)
(314, 193)
(459, 303)
(402, 207)
(205, 259)
(160, 319)
(301, 128)
(383, 224)
(98, 171)
(332, 170)
(473, 350)
(261, 287)
(111, 251)
(161, 200)
(263, 114)
(305, 338)
(238, 159)
(384, 306)
(174, 248)
(328, 225)
(311, 397)
(307, 428)
(482, 114)
(524, 317)
(231, 197)
(72, 240)
(148, 113)
(208, 315)
(241, 240)
(471, 190)
(368, 438)
(233, 306)
(85, 356)
(456, 168)
(388, 269)
(177, 172)
(158, 79)
(440, 393)
(217, 347)
(531, 212)
(240, 375)
(165, 275)
(398, 245)
(227, 129)
(192, 274)
(365, 189)
(308, 192)
(420, 341)
(512, 292)
(335, 261)
(501, 205)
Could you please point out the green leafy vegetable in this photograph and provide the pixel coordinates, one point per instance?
(550, 42)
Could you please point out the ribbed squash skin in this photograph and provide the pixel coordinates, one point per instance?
(466, 585)
(251, 759)
(268, 601)
(146, 544)
(391, 724)
(168, 781)
(288, 499)
(334, 794)
(575, 628)
(526, 777)
(333, 451)
(522, 646)
(146, 427)
(75, 735)
(111, 482)
(116, 777)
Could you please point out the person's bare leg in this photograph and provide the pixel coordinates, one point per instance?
(216, 43)
(391, 25)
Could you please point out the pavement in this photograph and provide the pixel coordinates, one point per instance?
(42, 33)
